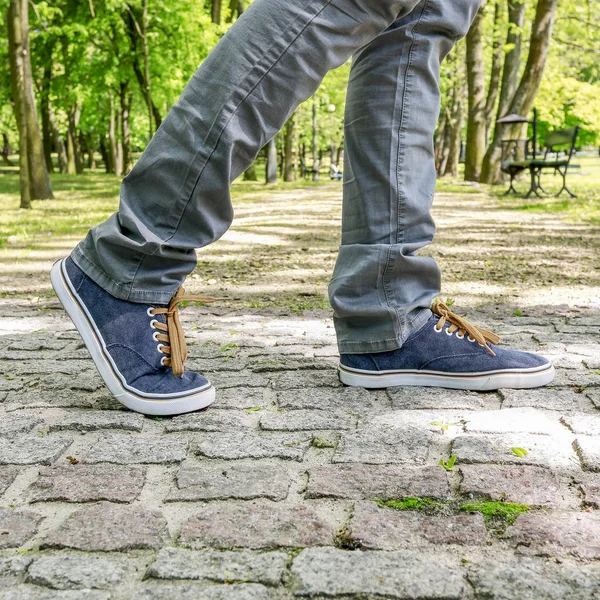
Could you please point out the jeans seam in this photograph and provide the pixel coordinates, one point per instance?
(225, 125)
(402, 128)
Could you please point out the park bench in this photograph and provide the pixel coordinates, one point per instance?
(517, 157)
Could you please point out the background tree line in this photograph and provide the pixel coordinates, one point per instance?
(89, 81)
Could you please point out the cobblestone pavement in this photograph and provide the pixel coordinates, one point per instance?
(275, 492)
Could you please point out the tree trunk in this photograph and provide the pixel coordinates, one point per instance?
(58, 142)
(235, 6)
(140, 31)
(112, 139)
(490, 170)
(215, 11)
(127, 162)
(521, 104)
(455, 131)
(89, 146)
(438, 141)
(6, 149)
(106, 157)
(476, 140)
(290, 131)
(31, 149)
(496, 69)
(45, 114)
(75, 164)
(315, 141)
(250, 173)
(271, 170)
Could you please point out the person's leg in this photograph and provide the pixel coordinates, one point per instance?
(176, 198)
(117, 282)
(381, 288)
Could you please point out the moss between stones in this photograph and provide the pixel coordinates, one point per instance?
(493, 510)
(412, 503)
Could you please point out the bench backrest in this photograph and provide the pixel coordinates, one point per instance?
(562, 137)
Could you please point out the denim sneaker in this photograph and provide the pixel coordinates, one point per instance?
(447, 352)
(138, 349)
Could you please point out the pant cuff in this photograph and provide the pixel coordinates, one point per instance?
(114, 288)
(374, 346)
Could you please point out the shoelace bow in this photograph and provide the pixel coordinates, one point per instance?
(483, 336)
(173, 335)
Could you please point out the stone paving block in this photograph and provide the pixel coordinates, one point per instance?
(594, 395)
(213, 419)
(588, 449)
(293, 380)
(384, 444)
(585, 424)
(244, 482)
(95, 420)
(419, 398)
(380, 528)
(306, 420)
(32, 449)
(276, 363)
(190, 591)
(88, 483)
(543, 450)
(106, 527)
(513, 420)
(522, 484)
(254, 445)
(223, 380)
(37, 342)
(17, 423)
(220, 566)
(134, 449)
(572, 377)
(545, 398)
(77, 571)
(531, 579)
(399, 575)
(7, 476)
(12, 569)
(589, 487)
(243, 398)
(255, 525)
(16, 527)
(35, 398)
(81, 382)
(36, 593)
(348, 399)
(557, 534)
(383, 482)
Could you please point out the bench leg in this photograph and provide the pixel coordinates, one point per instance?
(533, 189)
(564, 184)
(511, 187)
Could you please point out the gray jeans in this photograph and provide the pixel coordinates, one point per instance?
(177, 199)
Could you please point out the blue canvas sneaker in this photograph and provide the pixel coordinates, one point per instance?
(138, 349)
(447, 352)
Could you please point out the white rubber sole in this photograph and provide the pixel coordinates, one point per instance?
(489, 380)
(148, 404)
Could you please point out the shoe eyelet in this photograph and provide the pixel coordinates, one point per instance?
(471, 339)
(148, 311)
(154, 336)
(459, 336)
(448, 332)
(162, 361)
(436, 329)
(152, 323)
(158, 347)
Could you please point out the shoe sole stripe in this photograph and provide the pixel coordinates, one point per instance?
(159, 404)
(488, 380)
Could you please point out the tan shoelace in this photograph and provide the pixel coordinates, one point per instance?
(483, 336)
(173, 336)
